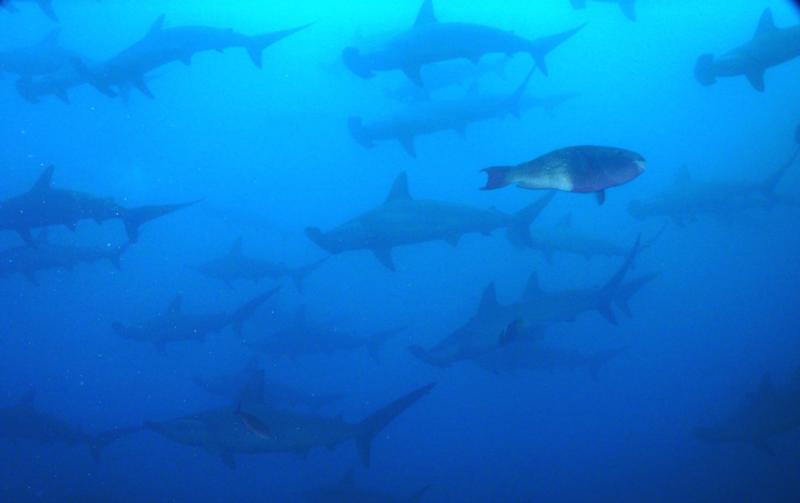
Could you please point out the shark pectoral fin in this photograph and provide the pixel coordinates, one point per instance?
(453, 239)
(628, 8)
(384, 256)
(601, 197)
(139, 84)
(756, 79)
(407, 143)
(541, 63)
(414, 75)
(606, 312)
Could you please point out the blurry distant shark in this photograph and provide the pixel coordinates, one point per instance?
(24, 421)
(174, 325)
(401, 220)
(532, 355)
(235, 266)
(770, 46)
(44, 206)
(628, 6)
(28, 260)
(161, 46)
(254, 427)
(45, 5)
(689, 199)
(231, 386)
(428, 117)
(488, 330)
(346, 491)
(430, 41)
(446, 75)
(302, 338)
(767, 413)
(42, 58)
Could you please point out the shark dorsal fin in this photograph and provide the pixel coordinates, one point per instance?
(349, 479)
(236, 248)
(45, 180)
(253, 391)
(532, 288)
(157, 26)
(684, 178)
(566, 221)
(175, 305)
(26, 401)
(426, 16)
(766, 24)
(399, 190)
(488, 301)
(50, 40)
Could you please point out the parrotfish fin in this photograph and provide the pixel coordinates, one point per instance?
(384, 256)
(497, 177)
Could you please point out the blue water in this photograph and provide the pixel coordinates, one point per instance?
(268, 152)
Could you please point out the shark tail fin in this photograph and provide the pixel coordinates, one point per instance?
(376, 343)
(539, 48)
(497, 177)
(135, 217)
(246, 311)
(610, 290)
(299, 275)
(102, 440)
(704, 70)
(768, 185)
(256, 45)
(116, 253)
(518, 231)
(378, 420)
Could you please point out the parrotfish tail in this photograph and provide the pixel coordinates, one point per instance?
(704, 70)
(627, 290)
(245, 312)
(610, 290)
(256, 45)
(367, 429)
(299, 275)
(135, 217)
(541, 47)
(359, 134)
(518, 231)
(497, 177)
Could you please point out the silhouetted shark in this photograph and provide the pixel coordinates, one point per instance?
(346, 491)
(45, 5)
(161, 46)
(44, 206)
(253, 427)
(767, 413)
(430, 41)
(488, 329)
(303, 338)
(770, 46)
(532, 355)
(281, 395)
(426, 117)
(689, 199)
(42, 58)
(447, 75)
(401, 220)
(174, 325)
(28, 260)
(235, 266)
(57, 84)
(24, 421)
(628, 6)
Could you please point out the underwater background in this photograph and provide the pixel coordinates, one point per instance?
(267, 153)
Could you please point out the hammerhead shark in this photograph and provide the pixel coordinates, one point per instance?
(402, 220)
(42, 58)
(254, 427)
(45, 5)
(173, 325)
(45, 206)
(28, 260)
(431, 41)
(24, 421)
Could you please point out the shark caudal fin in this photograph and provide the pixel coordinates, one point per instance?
(518, 230)
(102, 440)
(377, 421)
(115, 254)
(356, 127)
(320, 239)
(704, 70)
(94, 78)
(497, 177)
(376, 343)
(541, 47)
(246, 311)
(610, 290)
(135, 217)
(299, 275)
(256, 45)
(630, 288)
